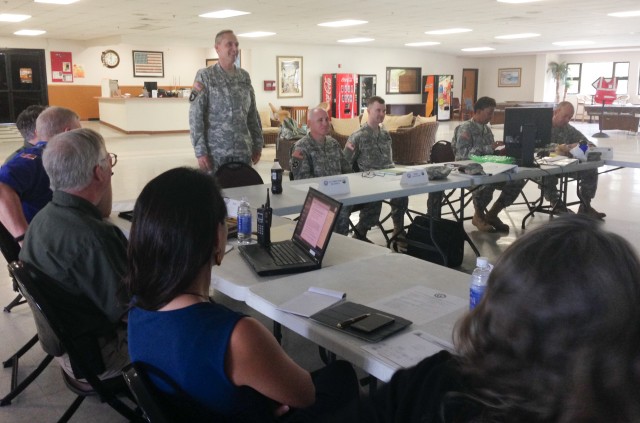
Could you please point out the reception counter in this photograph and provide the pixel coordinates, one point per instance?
(143, 115)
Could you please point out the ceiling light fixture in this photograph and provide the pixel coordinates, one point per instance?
(257, 34)
(477, 49)
(422, 44)
(30, 32)
(55, 1)
(517, 36)
(9, 17)
(448, 31)
(572, 43)
(629, 14)
(223, 14)
(356, 40)
(346, 22)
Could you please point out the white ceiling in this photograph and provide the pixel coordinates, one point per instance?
(391, 23)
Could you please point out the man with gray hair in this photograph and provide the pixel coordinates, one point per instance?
(24, 184)
(70, 241)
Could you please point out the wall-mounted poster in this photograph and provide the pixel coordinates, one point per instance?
(26, 76)
(61, 65)
(289, 74)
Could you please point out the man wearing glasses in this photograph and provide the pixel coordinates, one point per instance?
(24, 185)
(70, 241)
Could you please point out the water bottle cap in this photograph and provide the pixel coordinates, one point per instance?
(482, 261)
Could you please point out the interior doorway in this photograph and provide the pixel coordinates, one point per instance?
(23, 81)
(469, 92)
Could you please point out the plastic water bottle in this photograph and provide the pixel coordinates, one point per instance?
(244, 222)
(276, 177)
(479, 279)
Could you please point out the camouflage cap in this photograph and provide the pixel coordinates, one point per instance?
(438, 172)
(472, 169)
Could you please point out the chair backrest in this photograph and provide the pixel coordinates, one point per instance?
(442, 152)
(153, 406)
(455, 103)
(8, 246)
(46, 300)
(237, 174)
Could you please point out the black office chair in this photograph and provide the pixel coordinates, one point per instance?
(58, 331)
(160, 407)
(237, 174)
(10, 250)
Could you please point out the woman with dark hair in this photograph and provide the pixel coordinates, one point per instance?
(228, 363)
(556, 338)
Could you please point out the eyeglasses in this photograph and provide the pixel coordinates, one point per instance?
(113, 158)
(371, 174)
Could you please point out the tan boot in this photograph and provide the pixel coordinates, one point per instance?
(480, 222)
(590, 211)
(493, 219)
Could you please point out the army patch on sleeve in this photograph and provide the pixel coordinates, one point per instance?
(196, 90)
(295, 164)
(350, 146)
(298, 154)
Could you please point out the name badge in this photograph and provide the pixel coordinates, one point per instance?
(415, 177)
(334, 185)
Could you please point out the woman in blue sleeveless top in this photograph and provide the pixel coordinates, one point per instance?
(221, 359)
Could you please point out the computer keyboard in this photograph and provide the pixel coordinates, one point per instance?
(285, 253)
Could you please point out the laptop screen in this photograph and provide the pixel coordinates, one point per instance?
(317, 219)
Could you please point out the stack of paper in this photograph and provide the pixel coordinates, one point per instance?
(312, 301)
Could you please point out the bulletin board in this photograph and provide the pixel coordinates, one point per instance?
(61, 67)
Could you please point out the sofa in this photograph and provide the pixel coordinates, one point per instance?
(270, 127)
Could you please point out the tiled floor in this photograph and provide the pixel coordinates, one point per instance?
(142, 157)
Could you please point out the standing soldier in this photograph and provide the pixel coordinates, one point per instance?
(224, 122)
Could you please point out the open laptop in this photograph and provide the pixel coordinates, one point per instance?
(306, 249)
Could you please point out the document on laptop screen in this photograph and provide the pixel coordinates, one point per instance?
(315, 228)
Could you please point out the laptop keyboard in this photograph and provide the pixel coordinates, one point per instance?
(284, 254)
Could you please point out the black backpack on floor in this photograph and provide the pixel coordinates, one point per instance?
(449, 236)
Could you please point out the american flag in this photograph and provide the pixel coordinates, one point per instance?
(148, 63)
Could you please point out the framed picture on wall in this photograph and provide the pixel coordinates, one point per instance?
(509, 77)
(289, 74)
(148, 63)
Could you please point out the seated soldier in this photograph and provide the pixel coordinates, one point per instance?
(474, 137)
(317, 154)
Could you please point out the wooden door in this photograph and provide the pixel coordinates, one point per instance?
(469, 92)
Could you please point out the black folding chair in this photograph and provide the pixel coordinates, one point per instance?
(10, 250)
(58, 335)
(237, 174)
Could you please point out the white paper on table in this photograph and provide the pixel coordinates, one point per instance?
(312, 301)
(408, 349)
(420, 304)
(232, 206)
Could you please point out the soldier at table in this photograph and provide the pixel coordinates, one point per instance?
(317, 154)
(567, 137)
(474, 137)
(370, 149)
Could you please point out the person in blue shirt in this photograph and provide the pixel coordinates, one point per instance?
(24, 184)
(228, 363)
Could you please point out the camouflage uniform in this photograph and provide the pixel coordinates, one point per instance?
(223, 118)
(588, 178)
(311, 159)
(372, 151)
(472, 138)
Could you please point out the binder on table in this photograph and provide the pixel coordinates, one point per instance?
(341, 312)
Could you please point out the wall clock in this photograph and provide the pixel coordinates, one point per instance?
(110, 58)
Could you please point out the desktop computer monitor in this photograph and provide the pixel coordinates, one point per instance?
(525, 129)
(150, 85)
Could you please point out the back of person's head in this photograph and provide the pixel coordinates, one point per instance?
(174, 233)
(483, 103)
(70, 158)
(556, 335)
(26, 121)
(55, 120)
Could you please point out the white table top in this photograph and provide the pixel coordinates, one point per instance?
(235, 277)
(364, 281)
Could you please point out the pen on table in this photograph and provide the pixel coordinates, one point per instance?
(349, 322)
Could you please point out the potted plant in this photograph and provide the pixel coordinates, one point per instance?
(559, 72)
